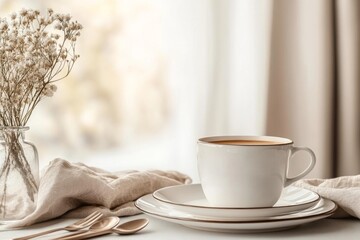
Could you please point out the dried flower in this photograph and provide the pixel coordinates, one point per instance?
(32, 59)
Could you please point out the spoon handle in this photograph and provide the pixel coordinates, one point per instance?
(71, 234)
(38, 234)
(83, 235)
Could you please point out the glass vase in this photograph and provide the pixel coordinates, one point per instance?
(19, 174)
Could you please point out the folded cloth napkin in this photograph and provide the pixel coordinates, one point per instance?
(344, 191)
(77, 190)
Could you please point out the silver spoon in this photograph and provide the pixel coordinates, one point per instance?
(104, 227)
(131, 226)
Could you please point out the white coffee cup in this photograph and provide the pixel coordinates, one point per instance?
(246, 171)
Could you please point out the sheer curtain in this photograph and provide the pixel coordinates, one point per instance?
(237, 101)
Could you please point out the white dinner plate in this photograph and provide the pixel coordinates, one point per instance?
(191, 199)
(149, 205)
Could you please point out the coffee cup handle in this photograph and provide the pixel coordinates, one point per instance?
(307, 170)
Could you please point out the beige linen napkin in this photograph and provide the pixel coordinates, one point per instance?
(77, 190)
(345, 191)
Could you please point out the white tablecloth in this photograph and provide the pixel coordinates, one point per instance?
(327, 229)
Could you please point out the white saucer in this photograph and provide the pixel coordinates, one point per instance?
(191, 199)
(149, 205)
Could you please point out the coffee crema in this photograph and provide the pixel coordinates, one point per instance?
(246, 142)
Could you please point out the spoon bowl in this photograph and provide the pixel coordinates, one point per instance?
(131, 226)
(105, 223)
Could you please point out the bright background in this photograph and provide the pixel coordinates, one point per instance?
(153, 77)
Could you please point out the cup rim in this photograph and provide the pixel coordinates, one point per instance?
(208, 140)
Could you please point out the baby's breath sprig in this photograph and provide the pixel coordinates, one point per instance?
(35, 52)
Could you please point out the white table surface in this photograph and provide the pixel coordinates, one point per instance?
(327, 229)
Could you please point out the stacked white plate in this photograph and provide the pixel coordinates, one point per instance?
(187, 205)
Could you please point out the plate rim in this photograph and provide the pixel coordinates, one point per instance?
(329, 212)
(324, 215)
(230, 208)
(247, 228)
